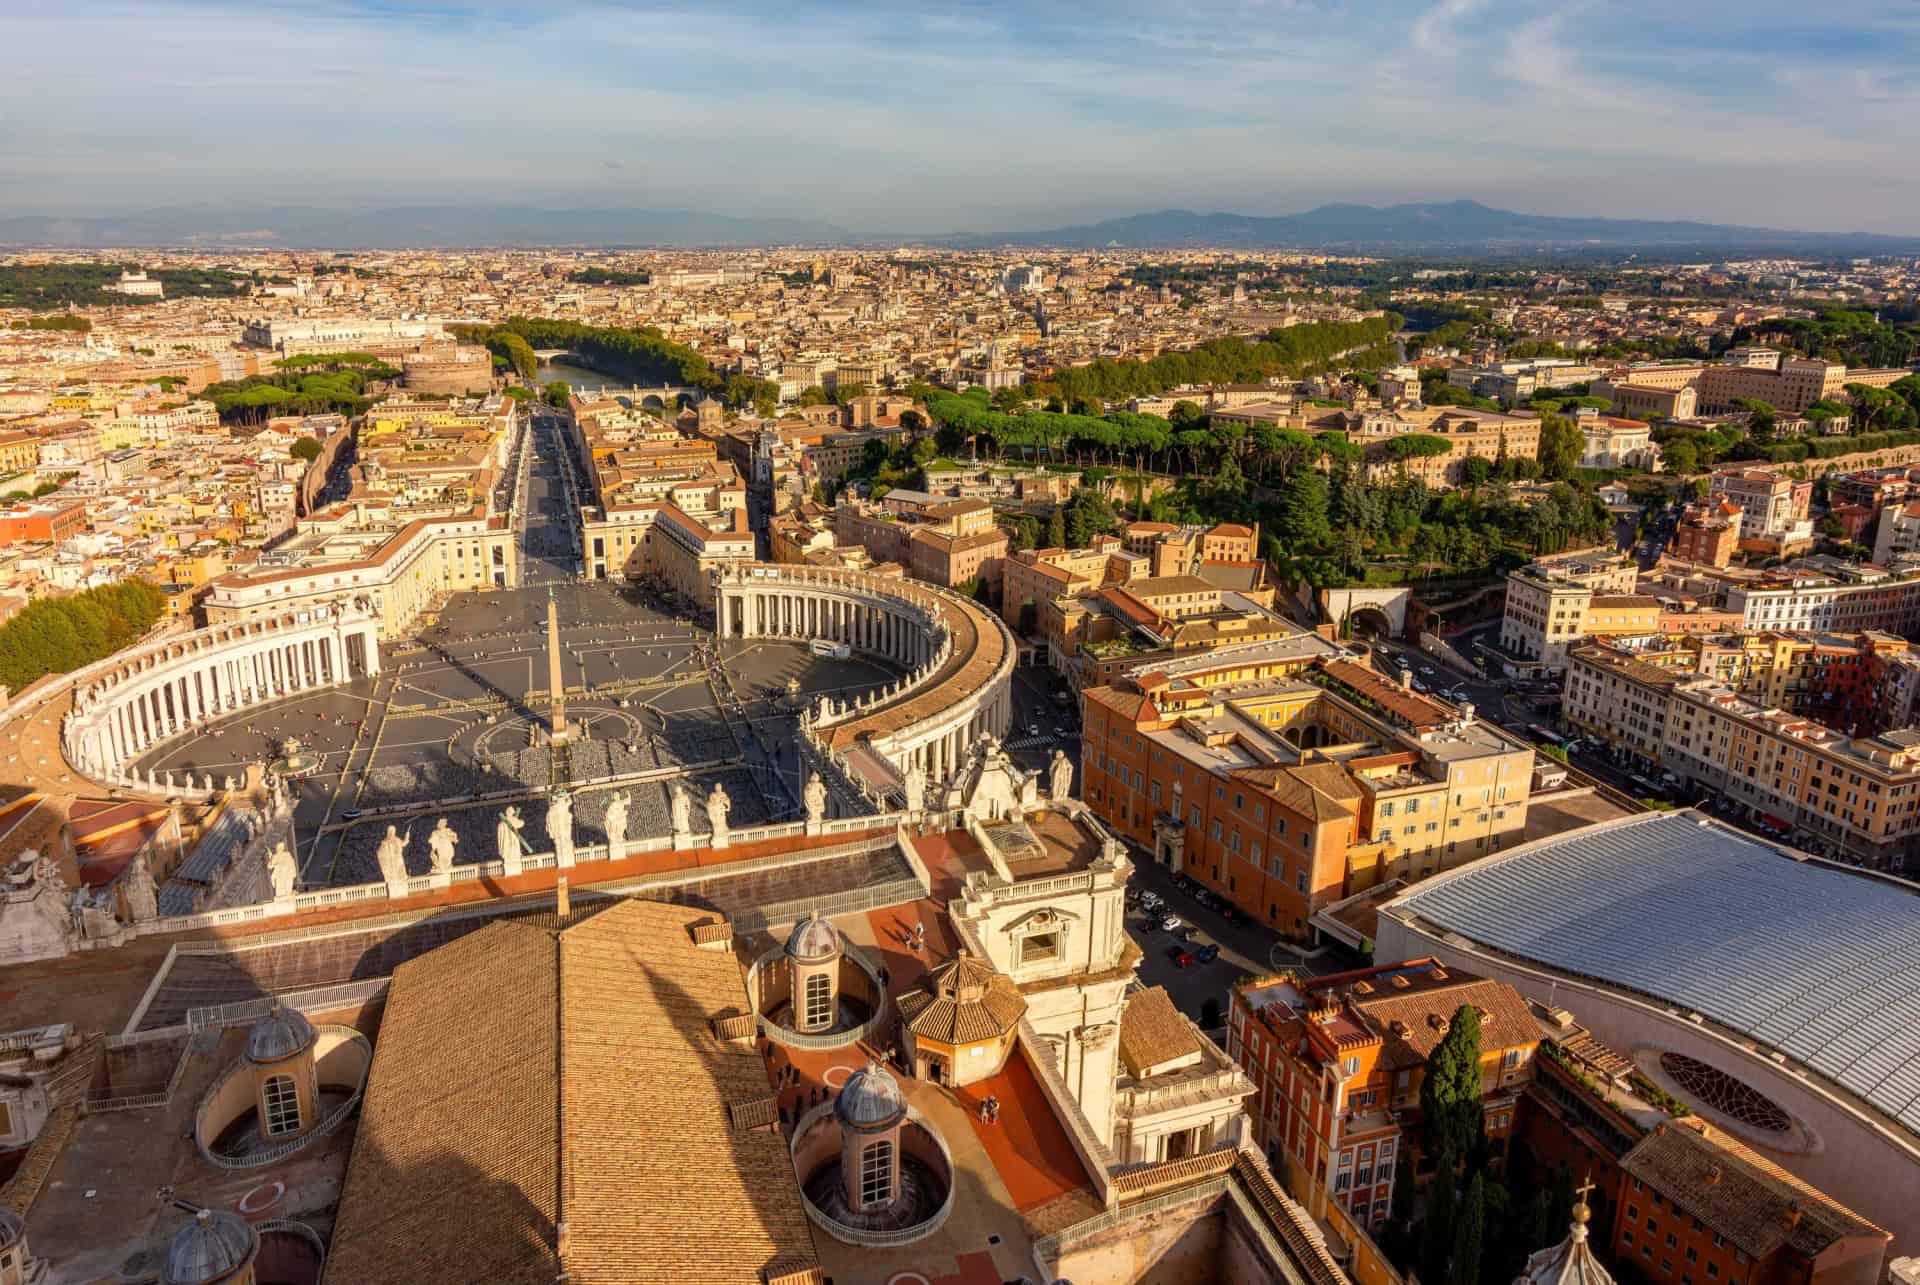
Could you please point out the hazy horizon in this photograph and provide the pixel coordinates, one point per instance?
(889, 121)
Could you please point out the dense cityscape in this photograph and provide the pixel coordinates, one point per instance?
(1352, 747)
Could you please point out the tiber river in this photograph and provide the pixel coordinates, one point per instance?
(582, 379)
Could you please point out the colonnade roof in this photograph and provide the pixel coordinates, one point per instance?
(978, 649)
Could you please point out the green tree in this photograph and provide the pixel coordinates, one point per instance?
(1451, 1116)
(914, 422)
(305, 448)
(1561, 445)
(1303, 522)
(814, 395)
(1469, 1239)
(1475, 470)
(1057, 529)
(1437, 1222)
(557, 393)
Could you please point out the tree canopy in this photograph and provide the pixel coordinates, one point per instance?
(58, 635)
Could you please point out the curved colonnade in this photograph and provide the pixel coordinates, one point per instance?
(151, 693)
(960, 657)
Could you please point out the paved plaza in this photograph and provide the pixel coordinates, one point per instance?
(461, 711)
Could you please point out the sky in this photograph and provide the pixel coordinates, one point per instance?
(926, 118)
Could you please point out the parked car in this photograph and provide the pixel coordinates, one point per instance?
(1207, 953)
(1185, 959)
(1168, 923)
(1174, 952)
(353, 814)
(1151, 900)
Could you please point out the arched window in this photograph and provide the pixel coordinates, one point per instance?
(819, 1000)
(876, 1173)
(282, 1103)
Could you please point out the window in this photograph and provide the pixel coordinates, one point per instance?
(1038, 948)
(1510, 1060)
(282, 1101)
(819, 1001)
(876, 1173)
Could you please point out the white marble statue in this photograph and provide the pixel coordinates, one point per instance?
(815, 796)
(718, 806)
(916, 784)
(440, 845)
(281, 869)
(1059, 776)
(616, 826)
(682, 809)
(393, 855)
(507, 843)
(143, 899)
(560, 827)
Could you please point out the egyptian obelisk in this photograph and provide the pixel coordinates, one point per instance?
(554, 686)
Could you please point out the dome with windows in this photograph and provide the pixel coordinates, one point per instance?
(215, 1247)
(813, 939)
(278, 1036)
(871, 1099)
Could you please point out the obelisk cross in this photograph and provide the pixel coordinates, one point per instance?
(555, 687)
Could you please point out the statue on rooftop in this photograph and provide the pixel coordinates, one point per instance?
(1059, 776)
(815, 796)
(560, 827)
(392, 855)
(282, 870)
(507, 844)
(916, 784)
(616, 826)
(143, 899)
(719, 805)
(440, 845)
(682, 809)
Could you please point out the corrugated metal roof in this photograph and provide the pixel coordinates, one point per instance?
(1815, 961)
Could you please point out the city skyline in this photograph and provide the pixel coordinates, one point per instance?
(1015, 119)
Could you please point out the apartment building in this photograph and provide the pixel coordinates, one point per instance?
(1285, 777)
(1826, 595)
(1898, 532)
(419, 521)
(944, 542)
(1708, 532)
(50, 520)
(1772, 505)
(1858, 797)
(1337, 1064)
(1551, 604)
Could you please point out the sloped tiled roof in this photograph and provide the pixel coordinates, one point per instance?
(1152, 1032)
(963, 1001)
(525, 1074)
(1506, 1021)
(1737, 1193)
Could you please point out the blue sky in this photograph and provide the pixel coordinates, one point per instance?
(922, 118)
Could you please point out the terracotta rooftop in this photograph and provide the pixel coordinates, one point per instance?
(1736, 1192)
(528, 1074)
(1152, 1032)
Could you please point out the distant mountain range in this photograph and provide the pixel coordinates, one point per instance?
(1456, 226)
(1451, 225)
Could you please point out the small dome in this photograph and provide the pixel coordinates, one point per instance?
(813, 938)
(280, 1034)
(871, 1098)
(211, 1248)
